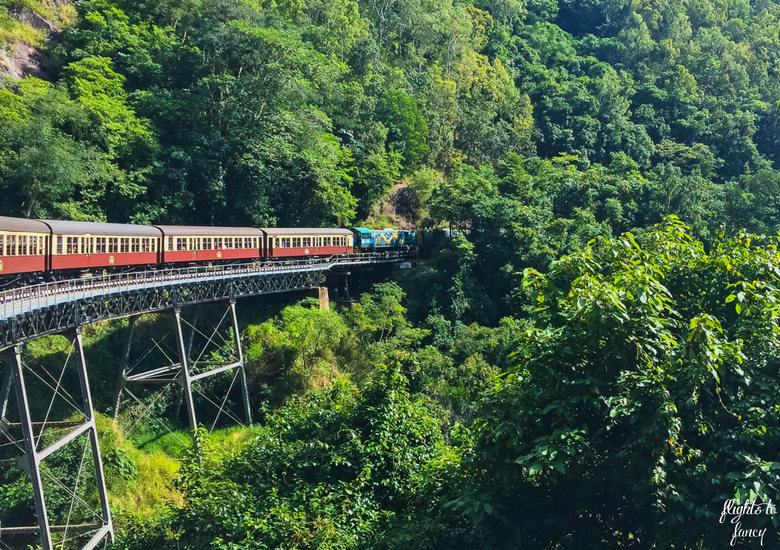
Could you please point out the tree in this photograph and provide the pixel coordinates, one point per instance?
(407, 130)
(375, 177)
(636, 399)
(350, 459)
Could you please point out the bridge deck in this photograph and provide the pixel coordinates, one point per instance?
(34, 311)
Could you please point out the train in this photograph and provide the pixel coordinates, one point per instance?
(388, 238)
(35, 250)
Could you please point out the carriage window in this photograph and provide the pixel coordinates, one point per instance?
(307, 241)
(154, 245)
(124, 245)
(91, 243)
(276, 243)
(113, 245)
(207, 243)
(326, 241)
(296, 242)
(72, 244)
(59, 245)
(23, 245)
(229, 243)
(136, 245)
(33, 246)
(218, 243)
(181, 244)
(2, 245)
(146, 245)
(100, 245)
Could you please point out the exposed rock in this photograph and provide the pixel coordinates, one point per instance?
(24, 61)
(23, 14)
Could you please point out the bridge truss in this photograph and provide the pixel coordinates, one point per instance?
(27, 314)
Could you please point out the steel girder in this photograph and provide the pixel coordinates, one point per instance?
(58, 318)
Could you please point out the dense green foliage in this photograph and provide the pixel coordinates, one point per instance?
(637, 396)
(571, 366)
(312, 111)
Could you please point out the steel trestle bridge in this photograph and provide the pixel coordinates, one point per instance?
(64, 307)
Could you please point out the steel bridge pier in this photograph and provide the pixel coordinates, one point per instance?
(181, 367)
(35, 455)
(186, 377)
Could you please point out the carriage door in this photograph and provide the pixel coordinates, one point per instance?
(86, 243)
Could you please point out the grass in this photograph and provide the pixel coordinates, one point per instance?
(11, 31)
(173, 444)
(140, 472)
(34, 5)
(139, 481)
(234, 439)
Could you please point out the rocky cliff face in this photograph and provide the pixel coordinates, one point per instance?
(23, 60)
(19, 57)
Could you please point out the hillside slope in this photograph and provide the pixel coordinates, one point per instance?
(25, 27)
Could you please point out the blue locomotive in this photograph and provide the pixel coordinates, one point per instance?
(384, 239)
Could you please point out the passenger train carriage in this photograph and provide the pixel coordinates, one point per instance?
(52, 249)
(23, 246)
(88, 246)
(209, 244)
(293, 242)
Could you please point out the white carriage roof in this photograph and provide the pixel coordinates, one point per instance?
(284, 231)
(22, 225)
(93, 228)
(208, 231)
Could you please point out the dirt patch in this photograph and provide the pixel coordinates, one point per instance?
(398, 210)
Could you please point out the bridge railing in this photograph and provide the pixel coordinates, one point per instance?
(17, 301)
